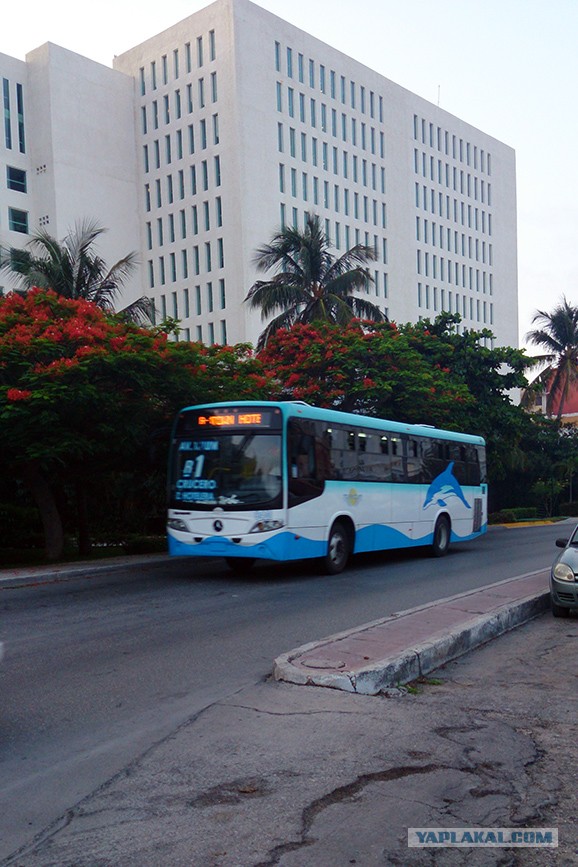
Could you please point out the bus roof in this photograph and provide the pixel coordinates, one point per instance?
(300, 409)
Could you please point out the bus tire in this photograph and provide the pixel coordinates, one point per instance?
(338, 549)
(241, 565)
(441, 536)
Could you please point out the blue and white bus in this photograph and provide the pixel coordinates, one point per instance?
(289, 481)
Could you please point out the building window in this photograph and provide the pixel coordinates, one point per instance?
(16, 179)
(20, 110)
(213, 86)
(199, 51)
(7, 128)
(212, 45)
(18, 221)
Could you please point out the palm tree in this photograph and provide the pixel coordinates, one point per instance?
(73, 270)
(558, 335)
(311, 284)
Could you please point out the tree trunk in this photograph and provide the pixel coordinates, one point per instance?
(51, 520)
(84, 544)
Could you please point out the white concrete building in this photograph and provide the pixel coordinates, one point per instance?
(207, 137)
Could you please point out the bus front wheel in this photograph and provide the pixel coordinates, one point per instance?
(441, 536)
(338, 549)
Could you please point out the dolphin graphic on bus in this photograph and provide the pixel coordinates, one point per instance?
(444, 486)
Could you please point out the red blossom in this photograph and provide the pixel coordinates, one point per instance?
(16, 394)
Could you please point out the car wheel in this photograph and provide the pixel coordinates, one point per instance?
(338, 549)
(241, 565)
(441, 536)
(559, 610)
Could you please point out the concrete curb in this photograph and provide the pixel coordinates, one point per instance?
(418, 659)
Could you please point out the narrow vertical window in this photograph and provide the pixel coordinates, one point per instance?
(199, 51)
(278, 57)
(290, 62)
(218, 171)
(213, 86)
(212, 45)
(7, 127)
(176, 62)
(188, 63)
(141, 73)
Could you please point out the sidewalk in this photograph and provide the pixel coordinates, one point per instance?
(45, 574)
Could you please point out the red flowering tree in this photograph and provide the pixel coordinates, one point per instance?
(377, 371)
(82, 394)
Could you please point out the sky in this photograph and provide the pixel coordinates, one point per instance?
(508, 67)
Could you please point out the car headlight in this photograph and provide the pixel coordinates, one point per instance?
(177, 524)
(562, 572)
(264, 526)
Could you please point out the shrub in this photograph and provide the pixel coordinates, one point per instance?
(569, 510)
(146, 545)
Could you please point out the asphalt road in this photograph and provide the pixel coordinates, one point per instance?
(97, 671)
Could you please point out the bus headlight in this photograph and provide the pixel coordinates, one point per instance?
(177, 524)
(265, 526)
(562, 572)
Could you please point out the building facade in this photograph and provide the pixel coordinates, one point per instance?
(202, 141)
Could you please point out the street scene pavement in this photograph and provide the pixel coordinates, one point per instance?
(287, 774)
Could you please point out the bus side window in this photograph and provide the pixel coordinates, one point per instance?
(397, 470)
(304, 483)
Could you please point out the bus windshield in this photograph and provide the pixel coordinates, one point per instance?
(232, 470)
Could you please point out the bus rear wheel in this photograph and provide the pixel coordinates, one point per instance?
(241, 565)
(338, 549)
(441, 536)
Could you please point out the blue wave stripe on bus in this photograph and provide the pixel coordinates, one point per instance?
(285, 546)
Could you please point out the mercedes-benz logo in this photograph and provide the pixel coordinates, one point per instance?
(217, 526)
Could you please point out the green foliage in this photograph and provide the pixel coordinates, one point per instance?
(85, 397)
(72, 269)
(558, 336)
(310, 283)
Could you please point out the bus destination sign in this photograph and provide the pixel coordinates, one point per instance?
(232, 419)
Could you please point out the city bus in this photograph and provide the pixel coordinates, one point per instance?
(287, 481)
